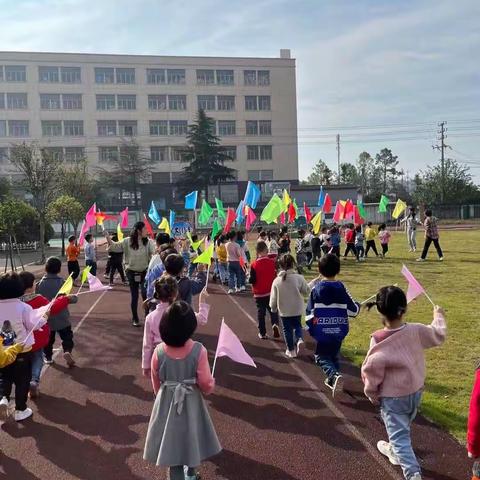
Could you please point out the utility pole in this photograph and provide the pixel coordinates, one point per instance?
(338, 156)
(442, 135)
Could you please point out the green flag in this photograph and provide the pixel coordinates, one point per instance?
(206, 256)
(205, 213)
(273, 209)
(220, 209)
(216, 229)
(361, 210)
(382, 206)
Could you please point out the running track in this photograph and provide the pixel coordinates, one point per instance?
(276, 422)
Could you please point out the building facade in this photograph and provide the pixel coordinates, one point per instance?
(86, 105)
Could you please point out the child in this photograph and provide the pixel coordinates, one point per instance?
(90, 254)
(236, 280)
(153, 274)
(244, 246)
(325, 241)
(16, 322)
(116, 263)
(222, 259)
(166, 292)
(193, 255)
(370, 234)
(359, 239)
(284, 242)
(328, 310)
(384, 237)
(394, 373)
(273, 245)
(335, 240)
(49, 286)
(350, 241)
(73, 251)
(180, 433)
(262, 236)
(185, 251)
(262, 275)
(473, 432)
(286, 298)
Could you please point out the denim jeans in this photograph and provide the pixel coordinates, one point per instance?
(37, 365)
(398, 414)
(292, 325)
(223, 271)
(93, 265)
(263, 305)
(360, 251)
(236, 275)
(327, 357)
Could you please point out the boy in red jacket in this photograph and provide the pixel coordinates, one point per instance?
(42, 335)
(350, 241)
(473, 433)
(262, 275)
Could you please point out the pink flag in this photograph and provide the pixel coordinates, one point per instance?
(230, 346)
(124, 218)
(90, 217)
(339, 212)
(349, 211)
(327, 204)
(83, 231)
(414, 288)
(282, 218)
(95, 284)
(251, 217)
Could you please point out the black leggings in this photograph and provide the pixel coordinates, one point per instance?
(116, 267)
(18, 373)
(428, 242)
(371, 245)
(136, 281)
(350, 248)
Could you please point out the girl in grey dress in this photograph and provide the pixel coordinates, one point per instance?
(180, 433)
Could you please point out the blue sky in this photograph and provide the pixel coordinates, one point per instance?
(391, 68)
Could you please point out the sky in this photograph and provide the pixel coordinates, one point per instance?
(378, 73)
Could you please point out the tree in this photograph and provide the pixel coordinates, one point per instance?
(14, 214)
(5, 188)
(348, 174)
(321, 175)
(205, 157)
(364, 168)
(387, 164)
(459, 187)
(76, 182)
(41, 172)
(64, 210)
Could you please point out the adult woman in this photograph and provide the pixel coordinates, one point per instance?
(137, 251)
(411, 221)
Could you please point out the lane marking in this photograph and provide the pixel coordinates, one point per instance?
(331, 406)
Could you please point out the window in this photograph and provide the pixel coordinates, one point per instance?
(72, 101)
(158, 154)
(230, 151)
(127, 127)
(178, 127)
(265, 152)
(3, 154)
(176, 154)
(160, 177)
(1, 73)
(226, 127)
(2, 100)
(206, 102)
(264, 102)
(70, 74)
(73, 128)
(226, 102)
(104, 75)
(251, 127)
(15, 73)
(74, 154)
(105, 102)
(264, 127)
(107, 154)
(106, 128)
(126, 102)
(18, 128)
(50, 101)
(225, 77)
(155, 76)
(259, 152)
(16, 100)
(158, 127)
(176, 76)
(125, 75)
(55, 152)
(250, 103)
(250, 77)
(177, 102)
(263, 77)
(48, 74)
(205, 77)
(51, 128)
(256, 175)
(252, 152)
(3, 128)
(157, 102)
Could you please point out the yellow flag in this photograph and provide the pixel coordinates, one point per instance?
(399, 208)
(286, 199)
(164, 225)
(196, 244)
(316, 222)
(206, 256)
(85, 273)
(119, 233)
(66, 288)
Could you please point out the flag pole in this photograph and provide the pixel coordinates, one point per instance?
(429, 299)
(215, 359)
(374, 295)
(214, 364)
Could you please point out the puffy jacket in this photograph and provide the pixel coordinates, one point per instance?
(262, 275)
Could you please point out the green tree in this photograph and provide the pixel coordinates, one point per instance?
(13, 215)
(364, 168)
(321, 175)
(76, 182)
(41, 174)
(66, 210)
(5, 188)
(387, 164)
(348, 174)
(205, 157)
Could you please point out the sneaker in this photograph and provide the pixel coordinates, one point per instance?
(136, 322)
(242, 288)
(337, 385)
(290, 353)
(195, 476)
(263, 336)
(440, 259)
(69, 359)
(415, 249)
(386, 449)
(416, 476)
(276, 331)
(300, 345)
(34, 390)
(327, 382)
(420, 259)
(106, 276)
(126, 284)
(111, 284)
(3, 409)
(411, 250)
(47, 360)
(230, 291)
(21, 415)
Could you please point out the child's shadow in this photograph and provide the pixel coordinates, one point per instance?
(13, 469)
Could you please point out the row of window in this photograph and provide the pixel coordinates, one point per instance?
(122, 76)
(69, 154)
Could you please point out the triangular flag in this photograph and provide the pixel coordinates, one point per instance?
(205, 213)
(124, 218)
(220, 210)
(85, 272)
(321, 198)
(100, 217)
(361, 210)
(90, 218)
(83, 231)
(292, 213)
(148, 226)
(154, 215)
(240, 213)
(357, 219)
(251, 217)
(119, 233)
(171, 219)
(399, 208)
(216, 229)
(348, 209)
(95, 284)
(206, 256)
(339, 212)
(316, 222)
(273, 209)
(327, 204)
(282, 218)
(196, 244)
(191, 200)
(67, 286)
(229, 220)
(308, 213)
(414, 287)
(164, 225)
(252, 195)
(286, 200)
(382, 206)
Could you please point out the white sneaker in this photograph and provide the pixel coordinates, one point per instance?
(337, 386)
(440, 259)
(300, 345)
(386, 449)
(22, 414)
(230, 291)
(262, 337)
(420, 259)
(242, 288)
(290, 353)
(3, 409)
(416, 476)
(411, 250)
(69, 359)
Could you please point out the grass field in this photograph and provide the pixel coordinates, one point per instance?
(453, 284)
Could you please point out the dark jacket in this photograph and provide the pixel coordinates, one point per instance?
(188, 287)
(48, 286)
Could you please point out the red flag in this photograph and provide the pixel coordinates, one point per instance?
(231, 216)
(250, 218)
(357, 219)
(327, 204)
(148, 226)
(292, 213)
(308, 213)
(348, 209)
(339, 212)
(124, 218)
(282, 218)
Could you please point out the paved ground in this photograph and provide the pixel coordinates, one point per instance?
(276, 422)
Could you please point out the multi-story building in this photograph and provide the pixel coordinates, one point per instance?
(87, 105)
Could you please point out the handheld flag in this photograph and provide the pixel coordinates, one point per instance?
(83, 231)
(316, 222)
(327, 204)
(286, 200)
(206, 256)
(400, 206)
(205, 213)
(239, 213)
(148, 226)
(382, 206)
(85, 272)
(414, 287)
(252, 195)
(67, 286)
(95, 284)
(164, 225)
(339, 212)
(292, 213)
(273, 209)
(349, 211)
(171, 219)
(154, 215)
(90, 218)
(220, 210)
(124, 218)
(229, 220)
(321, 198)
(251, 217)
(196, 244)
(357, 219)
(119, 233)
(282, 218)
(100, 217)
(308, 213)
(191, 200)
(216, 229)
(361, 209)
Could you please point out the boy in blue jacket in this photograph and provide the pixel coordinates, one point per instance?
(329, 307)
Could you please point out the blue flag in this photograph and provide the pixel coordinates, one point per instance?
(240, 216)
(154, 215)
(252, 195)
(172, 218)
(191, 200)
(321, 198)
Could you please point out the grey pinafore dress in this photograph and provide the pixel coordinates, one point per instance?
(180, 431)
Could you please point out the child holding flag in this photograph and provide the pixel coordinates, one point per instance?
(394, 373)
(236, 273)
(73, 252)
(180, 434)
(384, 236)
(90, 254)
(370, 234)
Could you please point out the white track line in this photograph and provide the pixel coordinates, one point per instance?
(332, 407)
